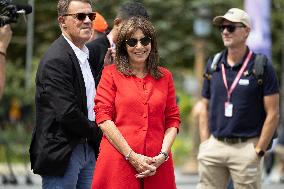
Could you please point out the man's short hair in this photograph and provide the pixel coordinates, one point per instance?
(130, 9)
(62, 5)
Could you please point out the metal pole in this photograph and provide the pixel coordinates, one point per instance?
(199, 63)
(30, 41)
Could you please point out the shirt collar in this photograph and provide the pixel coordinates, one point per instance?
(81, 54)
(224, 59)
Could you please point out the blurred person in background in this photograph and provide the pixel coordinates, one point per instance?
(14, 112)
(136, 108)
(279, 151)
(66, 138)
(5, 38)
(191, 165)
(241, 117)
(106, 44)
(100, 27)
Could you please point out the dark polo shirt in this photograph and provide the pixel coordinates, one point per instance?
(248, 110)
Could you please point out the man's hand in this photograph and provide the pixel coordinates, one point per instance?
(5, 37)
(143, 165)
(109, 57)
(157, 161)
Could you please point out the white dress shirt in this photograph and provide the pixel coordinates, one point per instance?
(83, 56)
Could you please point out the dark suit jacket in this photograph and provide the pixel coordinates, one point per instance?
(98, 48)
(61, 110)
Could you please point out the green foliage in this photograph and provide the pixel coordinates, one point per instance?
(277, 27)
(14, 142)
(180, 149)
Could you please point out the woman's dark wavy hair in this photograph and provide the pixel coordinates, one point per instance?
(127, 30)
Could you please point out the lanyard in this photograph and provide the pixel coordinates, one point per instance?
(233, 86)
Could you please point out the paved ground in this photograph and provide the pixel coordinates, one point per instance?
(183, 181)
(190, 181)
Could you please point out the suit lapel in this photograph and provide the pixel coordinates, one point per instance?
(98, 49)
(93, 69)
(74, 60)
(80, 78)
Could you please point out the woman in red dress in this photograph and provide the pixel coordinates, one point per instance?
(136, 109)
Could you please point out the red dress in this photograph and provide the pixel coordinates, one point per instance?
(142, 110)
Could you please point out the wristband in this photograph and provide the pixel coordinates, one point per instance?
(128, 155)
(165, 154)
(2, 53)
(261, 153)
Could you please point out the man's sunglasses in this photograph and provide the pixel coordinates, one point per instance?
(230, 28)
(132, 42)
(82, 16)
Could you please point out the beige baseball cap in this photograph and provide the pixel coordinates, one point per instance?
(233, 15)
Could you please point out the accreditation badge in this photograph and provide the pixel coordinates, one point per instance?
(228, 109)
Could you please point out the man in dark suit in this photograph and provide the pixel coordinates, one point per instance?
(106, 44)
(65, 139)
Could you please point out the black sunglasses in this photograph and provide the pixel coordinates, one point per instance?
(82, 16)
(230, 28)
(132, 42)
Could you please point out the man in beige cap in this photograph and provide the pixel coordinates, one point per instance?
(241, 114)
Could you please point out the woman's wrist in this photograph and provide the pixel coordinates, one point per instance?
(128, 155)
(165, 155)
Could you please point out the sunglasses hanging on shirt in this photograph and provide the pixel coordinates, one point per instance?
(132, 42)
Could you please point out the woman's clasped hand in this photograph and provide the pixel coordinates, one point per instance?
(145, 166)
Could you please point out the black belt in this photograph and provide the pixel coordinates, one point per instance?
(232, 140)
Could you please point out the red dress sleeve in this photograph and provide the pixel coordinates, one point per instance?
(104, 100)
(172, 115)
